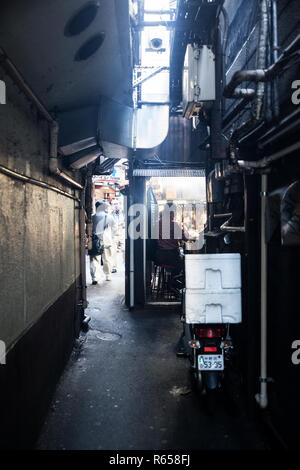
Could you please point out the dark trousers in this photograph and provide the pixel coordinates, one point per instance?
(170, 258)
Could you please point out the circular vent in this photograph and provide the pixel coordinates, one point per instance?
(82, 19)
(156, 43)
(90, 47)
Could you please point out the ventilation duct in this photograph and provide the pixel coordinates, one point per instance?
(143, 128)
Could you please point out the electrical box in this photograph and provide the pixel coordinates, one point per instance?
(199, 79)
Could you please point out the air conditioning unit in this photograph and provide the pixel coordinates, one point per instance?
(199, 79)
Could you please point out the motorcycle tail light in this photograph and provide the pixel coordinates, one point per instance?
(209, 332)
(210, 349)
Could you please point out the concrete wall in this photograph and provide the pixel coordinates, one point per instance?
(39, 234)
(40, 274)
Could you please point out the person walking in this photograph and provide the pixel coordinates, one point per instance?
(103, 227)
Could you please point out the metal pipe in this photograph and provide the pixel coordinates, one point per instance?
(224, 47)
(15, 75)
(89, 208)
(41, 184)
(260, 89)
(216, 139)
(275, 48)
(220, 216)
(261, 74)
(231, 90)
(264, 162)
(258, 75)
(12, 71)
(228, 228)
(284, 58)
(262, 397)
(269, 87)
(261, 58)
(226, 28)
(82, 250)
(131, 239)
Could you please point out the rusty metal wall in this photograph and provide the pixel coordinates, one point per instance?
(39, 228)
(182, 142)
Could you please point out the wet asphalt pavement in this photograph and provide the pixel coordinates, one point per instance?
(124, 388)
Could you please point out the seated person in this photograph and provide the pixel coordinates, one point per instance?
(170, 234)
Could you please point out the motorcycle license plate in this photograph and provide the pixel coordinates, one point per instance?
(211, 362)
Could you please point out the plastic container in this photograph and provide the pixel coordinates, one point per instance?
(214, 272)
(213, 307)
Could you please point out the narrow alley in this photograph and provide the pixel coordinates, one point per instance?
(124, 388)
(149, 227)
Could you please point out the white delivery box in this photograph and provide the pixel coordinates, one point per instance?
(213, 307)
(213, 272)
(213, 288)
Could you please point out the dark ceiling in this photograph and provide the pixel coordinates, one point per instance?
(35, 36)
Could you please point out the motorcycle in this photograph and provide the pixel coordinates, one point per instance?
(210, 350)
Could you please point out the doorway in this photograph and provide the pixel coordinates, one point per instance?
(184, 200)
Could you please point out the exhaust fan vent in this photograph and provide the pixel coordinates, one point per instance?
(90, 47)
(156, 43)
(82, 19)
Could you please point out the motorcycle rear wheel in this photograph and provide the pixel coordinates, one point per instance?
(197, 381)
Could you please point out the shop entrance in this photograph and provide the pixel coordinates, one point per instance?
(176, 220)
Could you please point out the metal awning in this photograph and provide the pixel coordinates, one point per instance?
(169, 172)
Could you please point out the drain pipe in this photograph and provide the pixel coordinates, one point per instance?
(262, 397)
(261, 58)
(15, 75)
(231, 88)
(131, 239)
(89, 208)
(216, 139)
(275, 48)
(226, 28)
(131, 272)
(82, 251)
